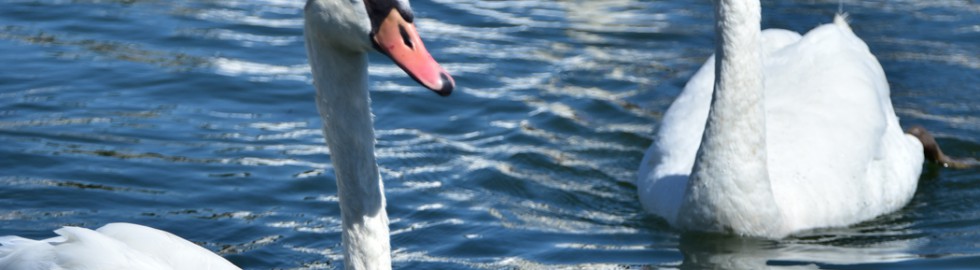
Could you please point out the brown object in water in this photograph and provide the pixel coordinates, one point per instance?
(932, 151)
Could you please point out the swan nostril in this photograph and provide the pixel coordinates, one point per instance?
(405, 37)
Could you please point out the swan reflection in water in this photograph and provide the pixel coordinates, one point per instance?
(818, 249)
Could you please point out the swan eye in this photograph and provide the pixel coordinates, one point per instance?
(405, 37)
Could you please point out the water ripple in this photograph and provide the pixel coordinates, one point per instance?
(198, 117)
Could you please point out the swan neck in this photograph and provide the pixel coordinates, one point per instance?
(738, 64)
(729, 189)
(340, 78)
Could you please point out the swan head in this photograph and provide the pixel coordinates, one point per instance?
(383, 25)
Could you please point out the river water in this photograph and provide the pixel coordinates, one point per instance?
(197, 117)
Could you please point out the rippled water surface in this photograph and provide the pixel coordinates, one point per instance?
(197, 117)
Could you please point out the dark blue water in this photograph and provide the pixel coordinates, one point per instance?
(197, 117)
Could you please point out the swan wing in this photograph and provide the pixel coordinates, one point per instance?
(837, 154)
(173, 250)
(117, 246)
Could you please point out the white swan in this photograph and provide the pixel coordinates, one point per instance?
(339, 34)
(798, 133)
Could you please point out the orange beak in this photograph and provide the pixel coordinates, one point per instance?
(399, 40)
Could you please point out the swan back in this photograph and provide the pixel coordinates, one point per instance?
(177, 252)
(117, 246)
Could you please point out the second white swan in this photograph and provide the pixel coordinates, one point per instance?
(779, 133)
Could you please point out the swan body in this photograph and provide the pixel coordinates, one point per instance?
(115, 246)
(339, 34)
(796, 133)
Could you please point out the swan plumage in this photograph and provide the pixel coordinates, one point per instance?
(833, 148)
(339, 34)
(111, 247)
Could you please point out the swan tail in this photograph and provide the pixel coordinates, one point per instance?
(841, 20)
